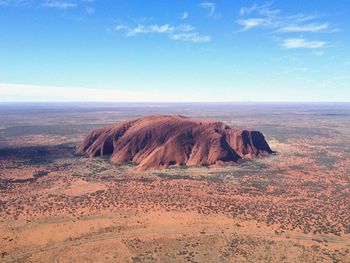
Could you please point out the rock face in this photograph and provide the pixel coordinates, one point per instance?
(165, 140)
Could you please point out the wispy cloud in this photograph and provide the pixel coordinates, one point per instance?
(184, 15)
(210, 6)
(185, 28)
(14, 2)
(266, 16)
(193, 37)
(264, 10)
(121, 27)
(142, 29)
(251, 23)
(59, 4)
(54, 4)
(293, 43)
(313, 27)
(182, 32)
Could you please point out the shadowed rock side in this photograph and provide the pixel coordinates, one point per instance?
(161, 141)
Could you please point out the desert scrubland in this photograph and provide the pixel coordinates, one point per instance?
(292, 206)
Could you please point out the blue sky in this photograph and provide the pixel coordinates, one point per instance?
(159, 50)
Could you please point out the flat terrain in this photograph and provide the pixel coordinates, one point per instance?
(293, 206)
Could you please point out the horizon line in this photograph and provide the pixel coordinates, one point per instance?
(28, 93)
(168, 102)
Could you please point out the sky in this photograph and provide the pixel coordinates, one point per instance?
(179, 50)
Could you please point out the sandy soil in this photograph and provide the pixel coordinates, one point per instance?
(290, 207)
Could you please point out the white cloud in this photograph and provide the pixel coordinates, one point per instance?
(210, 6)
(313, 27)
(258, 16)
(264, 10)
(252, 22)
(59, 4)
(266, 16)
(120, 27)
(292, 43)
(184, 16)
(136, 30)
(141, 29)
(247, 10)
(185, 28)
(14, 2)
(21, 93)
(182, 32)
(161, 29)
(193, 37)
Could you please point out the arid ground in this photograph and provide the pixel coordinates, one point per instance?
(293, 206)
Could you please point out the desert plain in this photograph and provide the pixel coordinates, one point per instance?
(292, 206)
